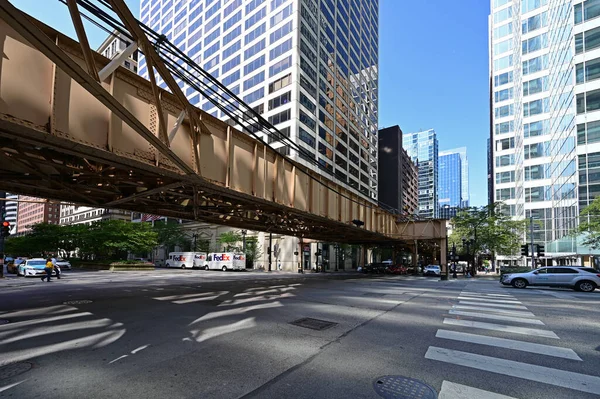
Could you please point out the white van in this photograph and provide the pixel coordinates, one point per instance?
(182, 260)
(200, 260)
(226, 261)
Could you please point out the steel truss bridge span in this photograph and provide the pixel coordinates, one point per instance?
(76, 127)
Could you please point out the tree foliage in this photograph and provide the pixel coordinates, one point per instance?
(489, 228)
(171, 234)
(589, 225)
(109, 239)
(228, 239)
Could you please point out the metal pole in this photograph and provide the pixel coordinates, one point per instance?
(447, 260)
(532, 249)
(270, 248)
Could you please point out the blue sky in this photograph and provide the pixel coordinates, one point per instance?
(433, 61)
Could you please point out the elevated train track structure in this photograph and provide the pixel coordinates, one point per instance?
(77, 127)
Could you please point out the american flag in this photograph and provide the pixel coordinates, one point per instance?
(149, 218)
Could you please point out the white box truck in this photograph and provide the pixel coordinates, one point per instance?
(182, 260)
(200, 260)
(226, 261)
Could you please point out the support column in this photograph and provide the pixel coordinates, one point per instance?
(415, 257)
(443, 258)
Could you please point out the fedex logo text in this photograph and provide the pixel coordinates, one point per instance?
(179, 258)
(222, 257)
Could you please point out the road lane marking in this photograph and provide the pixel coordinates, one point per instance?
(561, 295)
(487, 294)
(496, 317)
(489, 300)
(451, 390)
(494, 310)
(501, 327)
(505, 343)
(531, 372)
(496, 305)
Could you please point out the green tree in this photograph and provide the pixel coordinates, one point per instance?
(171, 234)
(589, 225)
(489, 229)
(228, 239)
(253, 250)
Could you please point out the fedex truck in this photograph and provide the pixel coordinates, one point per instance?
(226, 261)
(200, 260)
(182, 260)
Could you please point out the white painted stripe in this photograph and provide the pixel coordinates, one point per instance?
(450, 390)
(546, 375)
(561, 295)
(496, 305)
(530, 347)
(486, 293)
(501, 327)
(494, 310)
(488, 300)
(496, 317)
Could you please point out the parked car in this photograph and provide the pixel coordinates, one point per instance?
(63, 264)
(33, 267)
(432, 270)
(13, 265)
(397, 269)
(579, 278)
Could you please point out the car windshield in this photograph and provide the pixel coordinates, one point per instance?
(36, 263)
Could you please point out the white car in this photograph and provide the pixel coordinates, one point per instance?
(432, 270)
(33, 268)
(61, 263)
(579, 278)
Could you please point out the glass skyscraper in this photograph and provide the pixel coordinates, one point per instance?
(310, 67)
(447, 180)
(422, 147)
(544, 60)
(450, 180)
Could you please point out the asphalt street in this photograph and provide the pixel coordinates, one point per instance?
(198, 334)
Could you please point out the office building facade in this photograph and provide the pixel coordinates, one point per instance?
(546, 96)
(11, 210)
(450, 181)
(398, 175)
(308, 66)
(34, 210)
(422, 147)
(114, 45)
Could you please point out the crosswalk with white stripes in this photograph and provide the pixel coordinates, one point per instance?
(494, 309)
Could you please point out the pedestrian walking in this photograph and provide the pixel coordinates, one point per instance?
(48, 269)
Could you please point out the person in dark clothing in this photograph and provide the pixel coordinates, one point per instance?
(48, 269)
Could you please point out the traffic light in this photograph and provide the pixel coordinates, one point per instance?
(5, 231)
(524, 250)
(541, 251)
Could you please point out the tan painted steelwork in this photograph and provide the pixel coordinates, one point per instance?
(123, 142)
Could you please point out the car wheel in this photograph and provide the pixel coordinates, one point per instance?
(206, 268)
(167, 265)
(182, 267)
(519, 283)
(585, 286)
(224, 268)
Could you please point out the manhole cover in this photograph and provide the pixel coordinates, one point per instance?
(79, 302)
(14, 369)
(3, 321)
(374, 294)
(398, 387)
(313, 324)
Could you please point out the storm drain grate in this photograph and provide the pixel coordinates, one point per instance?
(3, 321)
(14, 369)
(313, 324)
(374, 294)
(398, 387)
(77, 302)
